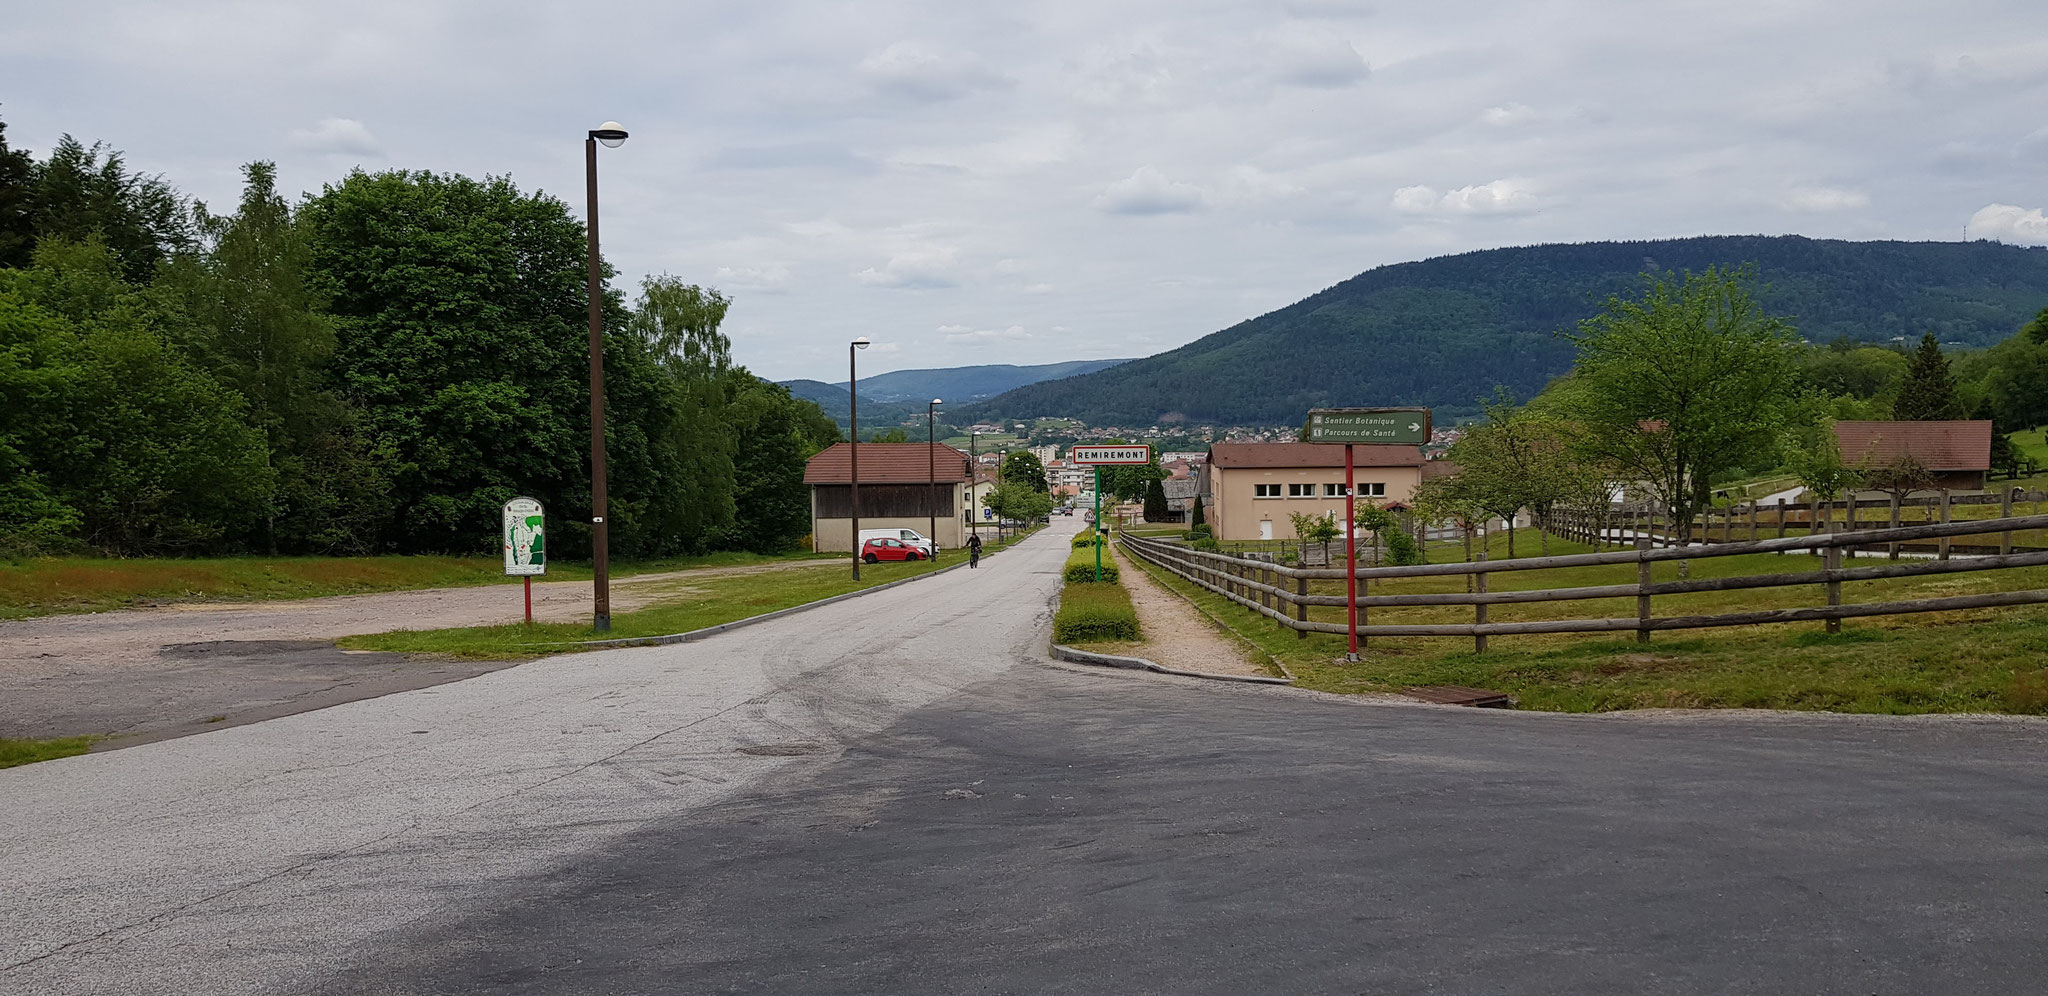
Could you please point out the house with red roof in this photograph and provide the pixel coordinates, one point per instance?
(1957, 453)
(902, 486)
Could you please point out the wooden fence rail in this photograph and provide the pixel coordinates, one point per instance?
(1273, 589)
(1752, 519)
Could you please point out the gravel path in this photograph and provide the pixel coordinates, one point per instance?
(1177, 634)
(145, 674)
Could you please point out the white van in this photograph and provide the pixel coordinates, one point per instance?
(910, 538)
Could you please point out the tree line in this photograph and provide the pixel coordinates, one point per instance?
(375, 368)
(1691, 384)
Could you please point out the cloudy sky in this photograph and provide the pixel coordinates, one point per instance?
(1028, 182)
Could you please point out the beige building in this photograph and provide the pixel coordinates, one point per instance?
(1250, 488)
(896, 492)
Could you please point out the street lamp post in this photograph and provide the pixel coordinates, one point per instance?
(613, 136)
(931, 496)
(973, 481)
(853, 447)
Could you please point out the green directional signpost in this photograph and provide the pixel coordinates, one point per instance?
(1408, 426)
(526, 546)
(1099, 457)
(1393, 426)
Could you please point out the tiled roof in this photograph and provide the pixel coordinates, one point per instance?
(1235, 455)
(1937, 445)
(887, 463)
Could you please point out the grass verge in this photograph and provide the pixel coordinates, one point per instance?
(16, 752)
(681, 605)
(49, 585)
(1985, 660)
(1093, 611)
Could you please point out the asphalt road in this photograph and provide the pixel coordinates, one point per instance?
(925, 806)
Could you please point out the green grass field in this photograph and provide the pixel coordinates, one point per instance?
(681, 605)
(16, 752)
(1986, 660)
(49, 585)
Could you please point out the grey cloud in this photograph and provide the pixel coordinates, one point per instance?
(801, 155)
(922, 72)
(339, 136)
(1148, 191)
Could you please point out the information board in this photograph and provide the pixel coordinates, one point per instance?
(1110, 456)
(526, 550)
(1366, 425)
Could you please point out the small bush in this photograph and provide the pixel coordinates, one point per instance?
(1087, 540)
(1093, 612)
(1200, 530)
(1081, 566)
(1206, 543)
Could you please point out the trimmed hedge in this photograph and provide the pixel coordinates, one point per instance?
(1087, 540)
(1081, 566)
(1092, 612)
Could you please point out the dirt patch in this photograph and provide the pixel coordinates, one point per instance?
(147, 674)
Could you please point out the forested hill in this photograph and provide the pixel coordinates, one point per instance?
(1441, 332)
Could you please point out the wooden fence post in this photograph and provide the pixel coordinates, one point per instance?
(1754, 511)
(1479, 610)
(1942, 544)
(1642, 589)
(1301, 607)
(2005, 512)
(1813, 518)
(1891, 550)
(1364, 614)
(1781, 518)
(1831, 559)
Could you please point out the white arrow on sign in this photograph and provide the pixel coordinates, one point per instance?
(1414, 427)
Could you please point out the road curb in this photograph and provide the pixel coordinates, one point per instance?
(1072, 656)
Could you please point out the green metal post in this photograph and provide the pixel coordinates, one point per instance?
(1098, 522)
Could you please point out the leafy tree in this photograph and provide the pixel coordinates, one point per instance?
(1929, 391)
(1818, 464)
(1863, 372)
(17, 202)
(1318, 528)
(1155, 502)
(81, 194)
(1899, 478)
(131, 449)
(678, 480)
(1444, 500)
(895, 435)
(1018, 500)
(1518, 458)
(1128, 482)
(1195, 516)
(460, 320)
(1688, 381)
(1023, 467)
(247, 311)
(773, 509)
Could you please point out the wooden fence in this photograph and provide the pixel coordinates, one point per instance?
(1753, 520)
(1281, 593)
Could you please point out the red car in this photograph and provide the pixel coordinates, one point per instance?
(877, 550)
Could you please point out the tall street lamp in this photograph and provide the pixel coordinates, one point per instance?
(853, 448)
(973, 479)
(613, 136)
(931, 454)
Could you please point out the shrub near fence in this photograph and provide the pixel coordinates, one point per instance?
(1283, 593)
(1092, 611)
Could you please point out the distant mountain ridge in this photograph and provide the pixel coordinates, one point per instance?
(1443, 331)
(962, 384)
(891, 397)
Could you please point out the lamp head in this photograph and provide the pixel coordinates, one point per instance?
(861, 343)
(936, 401)
(610, 134)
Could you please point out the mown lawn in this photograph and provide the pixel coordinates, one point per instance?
(1988, 660)
(48, 585)
(681, 605)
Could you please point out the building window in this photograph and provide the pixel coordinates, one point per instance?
(1372, 489)
(1333, 490)
(1301, 491)
(1265, 490)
